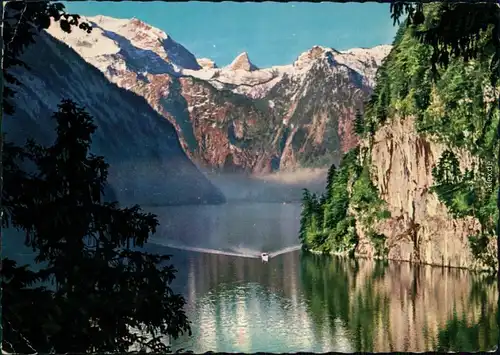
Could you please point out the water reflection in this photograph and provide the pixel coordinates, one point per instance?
(304, 302)
(461, 334)
(399, 307)
(242, 305)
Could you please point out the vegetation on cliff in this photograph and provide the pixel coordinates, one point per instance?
(328, 222)
(454, 104)
(447, 82)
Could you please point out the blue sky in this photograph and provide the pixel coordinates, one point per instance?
(272, 33)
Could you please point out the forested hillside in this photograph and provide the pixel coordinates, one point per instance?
(422, 184)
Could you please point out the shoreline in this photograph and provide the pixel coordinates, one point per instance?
(414, 263)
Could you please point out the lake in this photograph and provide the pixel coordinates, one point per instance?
(311, 303)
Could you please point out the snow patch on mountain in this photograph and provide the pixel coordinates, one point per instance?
(148, 165)
(308, 105)
(242, 62)
(206, 63)
(119, 47)
(257, 82)
(365, 60)
(116, 45)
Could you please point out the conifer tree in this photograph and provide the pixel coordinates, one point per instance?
(317, 211)
(447, 171)
(95, 290)
(455, 32)
(95, 285)
(322, 200)
(359, 123)
(305, 215)
(330, 177)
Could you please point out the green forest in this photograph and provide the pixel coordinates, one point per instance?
(328, 222)
(94, 288)
(451, 94)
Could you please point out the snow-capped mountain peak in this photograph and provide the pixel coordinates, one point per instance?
(241, 76)
(306, 59)
(306, 102)
(242, 62)
(116, 45)
(365, 60)
(206, 63)
(378, 52)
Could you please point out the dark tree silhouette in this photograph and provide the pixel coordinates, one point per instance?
(359, 123)
(95, 285)
(93, 288)
(330, 177)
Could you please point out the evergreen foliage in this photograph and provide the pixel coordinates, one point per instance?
(443, 71)
(332, 172)
(94, 285)
(359, 124)
(93, 288)
(326, 223)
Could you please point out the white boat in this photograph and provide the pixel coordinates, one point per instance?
(265, 257)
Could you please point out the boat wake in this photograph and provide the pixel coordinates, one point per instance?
(213, 251)
(238, 252)
(284, 251)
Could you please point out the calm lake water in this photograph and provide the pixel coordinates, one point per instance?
(303, 302)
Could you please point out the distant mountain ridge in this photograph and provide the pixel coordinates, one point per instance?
(147, 163)
(238, 117)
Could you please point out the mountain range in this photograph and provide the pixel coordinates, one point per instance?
(166, 118)
(236, 118)
(147, 163)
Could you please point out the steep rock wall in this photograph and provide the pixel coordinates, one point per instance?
(420, 228)
(147, 162)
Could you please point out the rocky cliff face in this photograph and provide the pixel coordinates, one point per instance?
(420, 228)
(411, 110)
(240, 117)
(147, 163)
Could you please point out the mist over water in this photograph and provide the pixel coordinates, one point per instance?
(303, 302)
(275, 187)
(298, 301)
(240, 229)
(262, 214)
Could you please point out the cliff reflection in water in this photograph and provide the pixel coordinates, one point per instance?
(400, 307)
(304, 302)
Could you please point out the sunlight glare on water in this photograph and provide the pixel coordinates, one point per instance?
(303, 302)
(249, 318)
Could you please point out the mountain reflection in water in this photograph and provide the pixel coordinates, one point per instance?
(303, 302)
